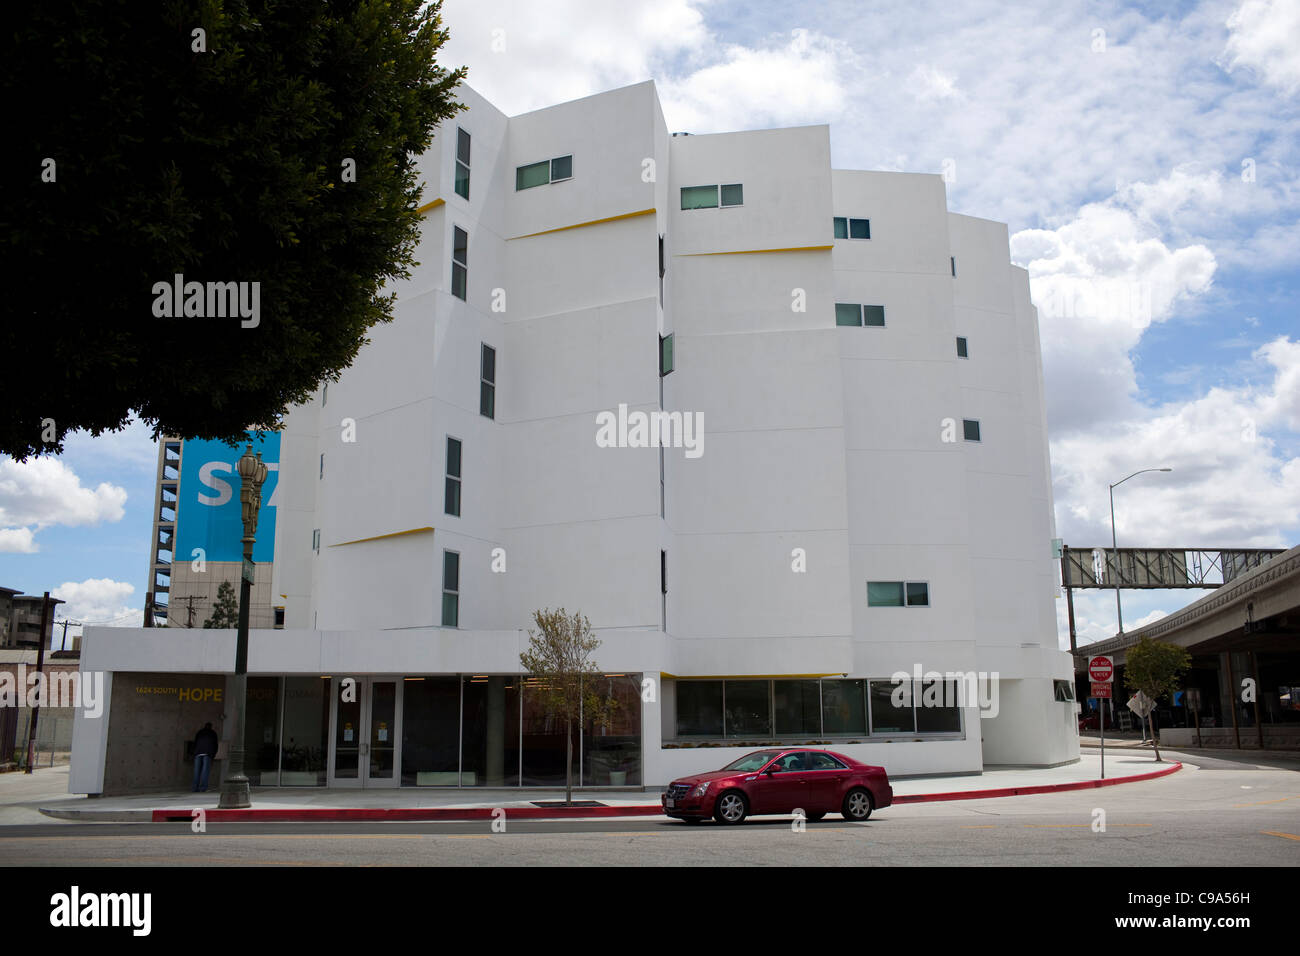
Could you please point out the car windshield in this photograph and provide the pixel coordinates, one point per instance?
(754, 761)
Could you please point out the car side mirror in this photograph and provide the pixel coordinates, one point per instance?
(772, 768)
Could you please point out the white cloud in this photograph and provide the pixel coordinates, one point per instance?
(17, 541)
(96, 601)
(931, 83)
(1264, 35)
(44, 491)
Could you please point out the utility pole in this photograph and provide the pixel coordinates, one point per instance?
(40, 667)
(63, 641)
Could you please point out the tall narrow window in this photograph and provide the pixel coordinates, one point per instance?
(322, 464)
(665, 354)
(451, 497)
(662, 270)
(450, 589)
(459, 262)
(462, 163)
(487, 388)
(315, 540)
(962, 350)
(953, 261)
(663, 588)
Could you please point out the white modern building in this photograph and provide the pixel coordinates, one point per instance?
(858, 485)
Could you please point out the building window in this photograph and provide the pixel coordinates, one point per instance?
(315, 540)
(707, 197)
(970, 429)
(487, 389)
(846, 228)
(663, 588)
(1063, 691)
(547, 171)
(898, 594)
(279, 617)
(953, 262)
(450, 589)
(853, 314)
(324, 394)
(451, 498)
(459, 262)
(462, 163)
(962, 351)
(665, 354)
(322, 464)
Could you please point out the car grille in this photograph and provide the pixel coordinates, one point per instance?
(678, 790)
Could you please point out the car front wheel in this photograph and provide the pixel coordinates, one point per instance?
(731, 808)
(857, 805)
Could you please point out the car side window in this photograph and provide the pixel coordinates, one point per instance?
(788, 763)
(824, 762)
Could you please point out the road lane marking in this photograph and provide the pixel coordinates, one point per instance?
(1278, 833)
(1260, 803)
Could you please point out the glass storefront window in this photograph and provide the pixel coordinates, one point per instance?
(699, 708)
(262, 732)
(844, 706)
(797, 707)
(431, 732)
(611, 754)
(749, 711)
(891, 708)
(937, 711)
(490, 748)
(544, 740)
(306, 731)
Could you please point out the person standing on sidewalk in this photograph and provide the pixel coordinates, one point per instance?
(205, 749)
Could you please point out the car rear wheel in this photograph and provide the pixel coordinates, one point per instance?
(857, 805)
(731, 808)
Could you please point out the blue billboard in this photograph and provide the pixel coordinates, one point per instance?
(208, 514)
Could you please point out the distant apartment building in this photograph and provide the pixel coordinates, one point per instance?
(20, 619)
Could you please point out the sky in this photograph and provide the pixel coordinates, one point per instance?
(1144, 157)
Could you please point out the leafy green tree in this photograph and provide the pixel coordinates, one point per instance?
(1154, 667)
(227, 141)
(559, 656)
(225, 613)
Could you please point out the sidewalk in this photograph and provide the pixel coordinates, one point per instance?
(280, 804)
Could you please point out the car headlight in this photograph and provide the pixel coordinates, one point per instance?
(701, 790)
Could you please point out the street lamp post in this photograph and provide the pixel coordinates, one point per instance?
(235, 792)
(1119, 613)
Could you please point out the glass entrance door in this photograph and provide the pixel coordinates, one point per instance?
(364, 732)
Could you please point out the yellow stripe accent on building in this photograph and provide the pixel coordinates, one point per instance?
(430, 206)
(593, 222)
(380, 537)
(665, 674)
(748, 252)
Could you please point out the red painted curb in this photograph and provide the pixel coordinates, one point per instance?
(323, 814)
(393, 814)
(1045, 788)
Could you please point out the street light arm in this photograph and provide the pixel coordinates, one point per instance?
(1136, 473)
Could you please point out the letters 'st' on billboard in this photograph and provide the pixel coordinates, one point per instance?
(208, 513)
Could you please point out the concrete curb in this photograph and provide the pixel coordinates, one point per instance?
(446, 814)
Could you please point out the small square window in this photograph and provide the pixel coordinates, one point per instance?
(561, 168)
(918, 594)
(699, 197)
(970, 429)
(848, 314)
(873, 315)
(1063, 691)
(961, 347)
(859, 228)
(733, 195)
(884, 593)
(534, 174)
(841, 227)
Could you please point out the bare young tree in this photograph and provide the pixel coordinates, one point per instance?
(559, 655)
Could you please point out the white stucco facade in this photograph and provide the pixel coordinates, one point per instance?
(832, 456)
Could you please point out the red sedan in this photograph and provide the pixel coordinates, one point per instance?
(778, 782)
